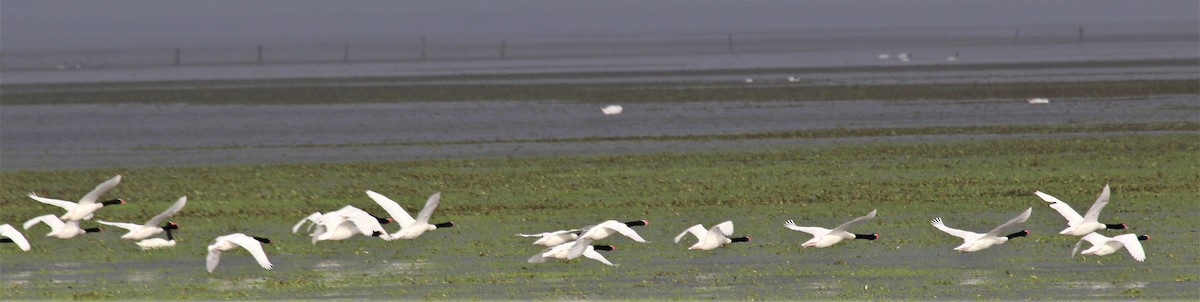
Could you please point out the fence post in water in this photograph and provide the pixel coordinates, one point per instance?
(260, 54)
(1016, 34)
(729, 41)
(423, 48)
(346, 53)
(1081, 34)
(177, 57)
(503, 48)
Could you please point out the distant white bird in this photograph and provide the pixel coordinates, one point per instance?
(553, 238)
(11, 235)
(1038, 101)
(1103, 245)
(345, 223)
(903, 57)
(87, 205)
(612, 110)
(410, 228)
(711, 238)
(58, 228)
(158, 243)
(749, 80)
(823, 237)
(612, 227)
(150, 228)
(793, 79)
(561, 251)
(973, 242)
(236, 240)
(952, 58)
(1081, 225)
(884, 56)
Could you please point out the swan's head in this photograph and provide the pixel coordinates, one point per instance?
(604, 247)
(447, 224)
(113, 202)
(381, 220)
(171, 225)
(1144, 237)
(1116, 226)
(867, 237)
(637, 223)
(91, 230)
(263, 240)
(376, 234)
(1018, 234)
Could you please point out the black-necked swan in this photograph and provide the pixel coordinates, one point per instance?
(11, 235)
(709, 239)
(236, 240)
(58, 228)
(612, 227)
(823, 237)
(562, 251)
(973, 242)
(1103, 245)
(553, 238)
(150, 228)
(410, 228)
(158, 243)
(346, 222)
(1081, 225)
(87, 205)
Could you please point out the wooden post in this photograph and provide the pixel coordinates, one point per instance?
(424, 48)
(1081, 34)
(260, 54)
(346, 53)
(503, 48)
(729, 41)
(178, 55)
(1016, 34)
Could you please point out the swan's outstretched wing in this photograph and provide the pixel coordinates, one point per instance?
(582, 244)
(965, 235)
(1093, 237)
(394, 209)
(214, 257)
(12, 234)
(430, 205)
(365, 223)
(50, 220)
(848, 224)
(1016, 220)
(554, 233)
(725, 228)
(591, 253)
(1063, 208)
(91, 197)
(254, 247)
(815, 231)
(66, 205)
(1131, 243)
(1093, 213)
(696, 230)
(153, 222)
(616, 226)
(123, 225)
(314, 218)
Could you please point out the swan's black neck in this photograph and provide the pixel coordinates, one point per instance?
(113, 202)
(169, 237)
(1116, 226)
(170, 226)
(91, 230)
(604, 247)
(376, 234)
(263, 240)
(381, 220)
(637, 223)
(739, 239)
(5, 240)
(445, 224)
(1018, 234)
(1144, 237)
(867, 236)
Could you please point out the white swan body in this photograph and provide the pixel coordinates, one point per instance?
(974, 242)
(150, 228)
(345, 223)
(823, 237)
(11, 234)
(563, 251)
(612, 227)
(711, 238)
(554, 238)
(410, 228)
(58, 228)
(612, 110)
(1081, 225)
(1103, 245)
(1038, 101)
(157, 243)
(238, 240)
(87, 205)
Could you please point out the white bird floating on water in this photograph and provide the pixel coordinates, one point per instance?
(157, 243)
(1086, 224)
(952, 58)
(823, 237)
(612, 110)
(884, 56)
(1103, 245)
(11, 235)
(410, 228)
(236, 240)
(58, 228)
(87, 205)
(748, 80)
(973, 242)
(712, 238)
(793, 79)
(1038, 101)
(150, 228)
(903, 57)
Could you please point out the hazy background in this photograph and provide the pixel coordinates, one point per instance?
(57, 25)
